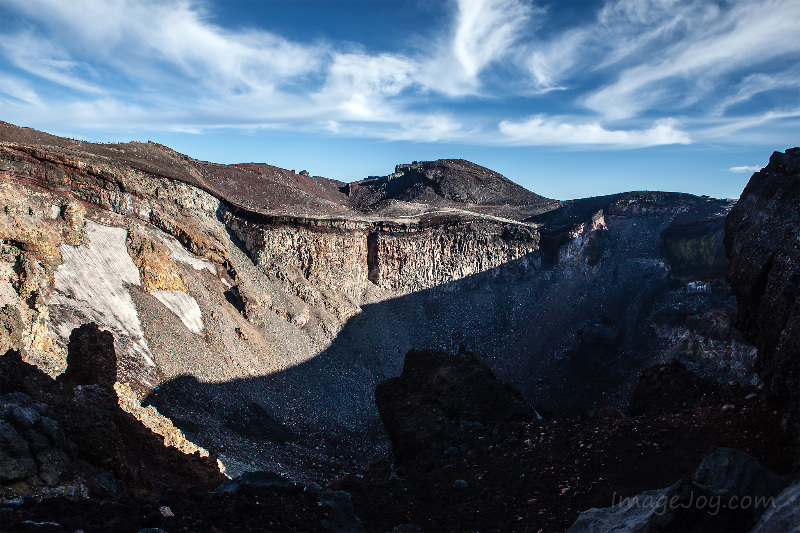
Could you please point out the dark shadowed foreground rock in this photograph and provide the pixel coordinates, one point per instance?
(729, 491)
(784, 515)
(682, 507)
(469, 459)
(91, 359)
(438, 392)
(337, 506)
(672, 388)
(72, 459)
(72, 431)
(762, 240)
(738, 473)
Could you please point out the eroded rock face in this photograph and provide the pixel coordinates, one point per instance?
(157, 270)
(762, 240)
(406, 260)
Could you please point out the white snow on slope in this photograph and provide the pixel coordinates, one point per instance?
(90, 287)
(184, 306)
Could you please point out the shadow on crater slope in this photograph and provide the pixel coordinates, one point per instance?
(571, 335)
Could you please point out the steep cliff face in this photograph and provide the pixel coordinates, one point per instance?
(762, 240)
(355, 257)
(405, 260)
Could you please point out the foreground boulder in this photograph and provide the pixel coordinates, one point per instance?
(784, 515)
(729, 491)
(437, 394)
(762, 241)
(670, 509)
(91, 358)
(672, 388)
(469, 457)
(738, 473)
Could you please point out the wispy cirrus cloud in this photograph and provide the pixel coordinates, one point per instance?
(635, 73)
(756, 84)
(703, 61)
(483, 32)
(539, 131)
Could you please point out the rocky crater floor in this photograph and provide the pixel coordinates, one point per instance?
(290, 330)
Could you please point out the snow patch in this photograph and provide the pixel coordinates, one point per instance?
(184, 306)
(180, 254)
(90, 286)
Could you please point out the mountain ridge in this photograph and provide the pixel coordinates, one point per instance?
(456, 183)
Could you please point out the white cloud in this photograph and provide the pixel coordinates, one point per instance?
(624, 32)
(19, 89)
(541, 131)
(699, 63)
(149, 38)
(731, 128)
(428, 128)
(484, 32)
(757, 84)
(359, 84)
(745, 169)
(43, 59)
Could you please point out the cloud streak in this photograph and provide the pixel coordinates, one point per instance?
(540, 131)
(745, 169)
(634, 74)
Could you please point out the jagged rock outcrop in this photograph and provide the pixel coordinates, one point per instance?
(70, 434)
(738, 473)
(762, 240)
(438, 392)
(157, 270)
(784, 515)
(466, 457)
(91, 358)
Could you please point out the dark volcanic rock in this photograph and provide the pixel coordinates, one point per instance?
(437, 393)
(729, 491)
(784, 515)
(739, 473)
(432, 182)
(671, 509)
(91, 358)
(671, 388)
(79, 432)
(536, 475)
(762, 241)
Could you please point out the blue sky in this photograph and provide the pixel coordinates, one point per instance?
(569, 99)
